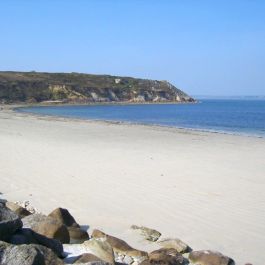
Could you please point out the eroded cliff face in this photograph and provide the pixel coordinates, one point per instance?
(75, 87)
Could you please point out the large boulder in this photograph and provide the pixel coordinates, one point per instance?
(63, 216)
(119, 246)
(9, 222)
(28, 236)
(19, 210)
(148, 233)
(47, 226)
(77, 235)
(208, 257)
(175, 243)
(27, 255)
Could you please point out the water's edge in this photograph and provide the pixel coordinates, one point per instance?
(21, 110)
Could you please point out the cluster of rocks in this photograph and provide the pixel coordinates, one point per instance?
(29, 238)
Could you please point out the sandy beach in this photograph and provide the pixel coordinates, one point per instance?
(204, 188)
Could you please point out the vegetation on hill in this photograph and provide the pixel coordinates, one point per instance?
(76, 87)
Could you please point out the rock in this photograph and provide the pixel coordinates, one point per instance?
(119, 245)
(28, 236)
(168, 256)
(208, 257)
(27, 255)
(64, 217)
(53, 230)
(77, 235)
(149, 234)
(101, 249)
(47, 226)
(176, 243)
(9, 222)
(90, 258)
(19, 210)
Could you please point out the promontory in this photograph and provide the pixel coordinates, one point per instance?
(35, 87)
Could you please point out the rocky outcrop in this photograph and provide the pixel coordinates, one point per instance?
(82, 88)
(40, 240)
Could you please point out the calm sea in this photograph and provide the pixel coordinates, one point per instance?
(230, 116)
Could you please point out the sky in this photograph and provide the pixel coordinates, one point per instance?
(202, 47)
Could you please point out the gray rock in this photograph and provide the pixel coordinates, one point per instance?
(28, 236)
(47, 226)
(9, 222)
(27, 255)
(208, 257)
(148, 233)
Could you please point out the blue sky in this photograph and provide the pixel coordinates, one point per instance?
(202, 47)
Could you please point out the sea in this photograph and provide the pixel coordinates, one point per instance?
(233, 116)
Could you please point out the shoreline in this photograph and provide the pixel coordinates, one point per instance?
(204, 188)
(16, 109)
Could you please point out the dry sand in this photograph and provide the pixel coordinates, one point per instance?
(207, 189)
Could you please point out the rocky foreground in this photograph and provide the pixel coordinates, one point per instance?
(28, 238)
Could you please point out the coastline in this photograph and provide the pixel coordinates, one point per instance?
(204, 188)
(16, 109)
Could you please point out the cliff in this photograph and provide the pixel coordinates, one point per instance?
(75, 87)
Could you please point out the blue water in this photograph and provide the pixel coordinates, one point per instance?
(230, 116)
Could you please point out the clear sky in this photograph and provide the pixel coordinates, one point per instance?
(214, 47)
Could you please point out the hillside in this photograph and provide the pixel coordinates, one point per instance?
(75, 87)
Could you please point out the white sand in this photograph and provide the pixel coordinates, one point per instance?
(204, 188)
